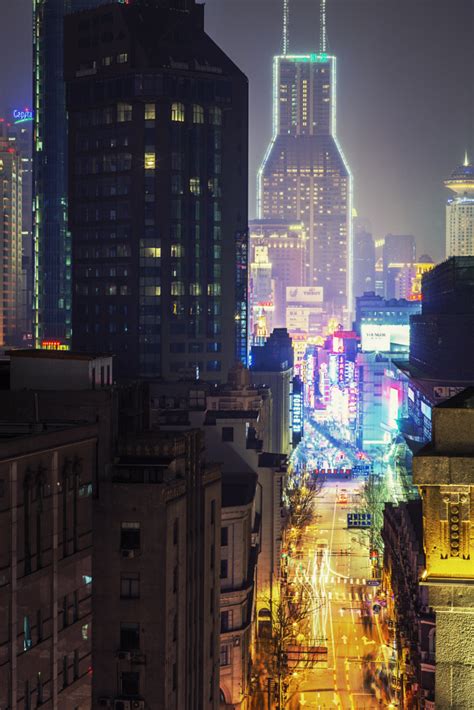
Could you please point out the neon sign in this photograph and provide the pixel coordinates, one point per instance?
(21, 116)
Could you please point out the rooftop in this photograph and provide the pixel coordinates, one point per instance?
(55, 354)
(463, 400)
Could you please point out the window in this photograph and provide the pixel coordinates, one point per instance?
(213, 512)
(224, 537)
(130, 536)
(195, 186)
(130, 682)
(150, 161)
(124, 112)
(198, 114)
(106, 61)
(225, 656)
(227, 433)
(177, 251)
(122, 58)
(177, 288)
(175, 579)
(175, 676)
(130, 586)
(175, 531)
(227, 620)
(129, 637)
(223, 569)
(215, 116)
(150, 112)
(27, 640)
(213, 556)
(177, 112)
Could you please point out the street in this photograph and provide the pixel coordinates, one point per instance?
(335, 562)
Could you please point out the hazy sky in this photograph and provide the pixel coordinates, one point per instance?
(405, 92)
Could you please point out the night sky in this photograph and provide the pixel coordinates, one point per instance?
(405, 92)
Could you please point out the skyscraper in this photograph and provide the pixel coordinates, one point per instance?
(460, 211)
(158, 191)
(10, 239)
(304, 175)
(364, 260)
(52, 245)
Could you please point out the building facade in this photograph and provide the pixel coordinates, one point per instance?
(460, 211)
(52, 244)
(11, 280)
(47, 475)
(286, 248)
(443, 472)
(364, 260)
(397, 249)
(238, 569)
(304, 175)
(158, 191)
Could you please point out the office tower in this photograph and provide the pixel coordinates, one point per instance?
(304, 176)
(286, 246)
(52, 244)
(460, 211)
(444, 473)
(158, 191)
(397, 249)
(20, 134)
(11, 239)
(47, 471)
(442, 335)
(364, 260)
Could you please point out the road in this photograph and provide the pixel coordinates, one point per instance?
(335, 562)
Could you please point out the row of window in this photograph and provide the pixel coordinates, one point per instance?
(214, 347)
(122, 112)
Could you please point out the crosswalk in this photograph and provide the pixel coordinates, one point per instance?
(350, 595)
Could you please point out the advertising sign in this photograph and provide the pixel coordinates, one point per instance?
(382, 337)
(359, 520)
(304, 294)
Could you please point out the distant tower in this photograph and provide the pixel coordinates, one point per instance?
(304, 176)
(460, 211)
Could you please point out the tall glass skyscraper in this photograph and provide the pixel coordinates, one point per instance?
(52, 248)
(304, 175)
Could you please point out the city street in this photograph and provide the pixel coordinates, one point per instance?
(335, 561)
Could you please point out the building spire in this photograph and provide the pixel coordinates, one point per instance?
(286, 28)
(466, 160)
(323, 38)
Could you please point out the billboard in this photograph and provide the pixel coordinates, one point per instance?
(304, 294)
(383, 338)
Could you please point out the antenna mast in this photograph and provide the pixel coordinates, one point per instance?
(323, 39)
(286, 21)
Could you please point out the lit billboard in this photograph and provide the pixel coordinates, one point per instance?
(383, 338)
(304, 294)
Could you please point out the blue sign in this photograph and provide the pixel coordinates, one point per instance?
(22, 115)
(373, 582)
(359, 520)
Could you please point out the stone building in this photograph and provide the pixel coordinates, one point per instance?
(46, 482)
(239, 530)
(444, 473)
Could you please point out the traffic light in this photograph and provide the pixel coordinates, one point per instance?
(374, 555)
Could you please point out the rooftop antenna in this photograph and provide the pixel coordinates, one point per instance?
(323, 38)
(286, 22)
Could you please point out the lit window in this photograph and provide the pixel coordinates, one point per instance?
(177, 112)
(150, 112)
(152, 291)
(198, 114)
(195, 186)
(122, 58)
(177, 288)
(195, 289)
(152, 252)
(177, 250)
(124, 112)
(214, 289)
(215, 116)
(106, 61)
(150, 161)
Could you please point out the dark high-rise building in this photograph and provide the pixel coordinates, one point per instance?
(364, 261)
(52, 247)
(304, 175)
(158, 190)
(442, 335)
